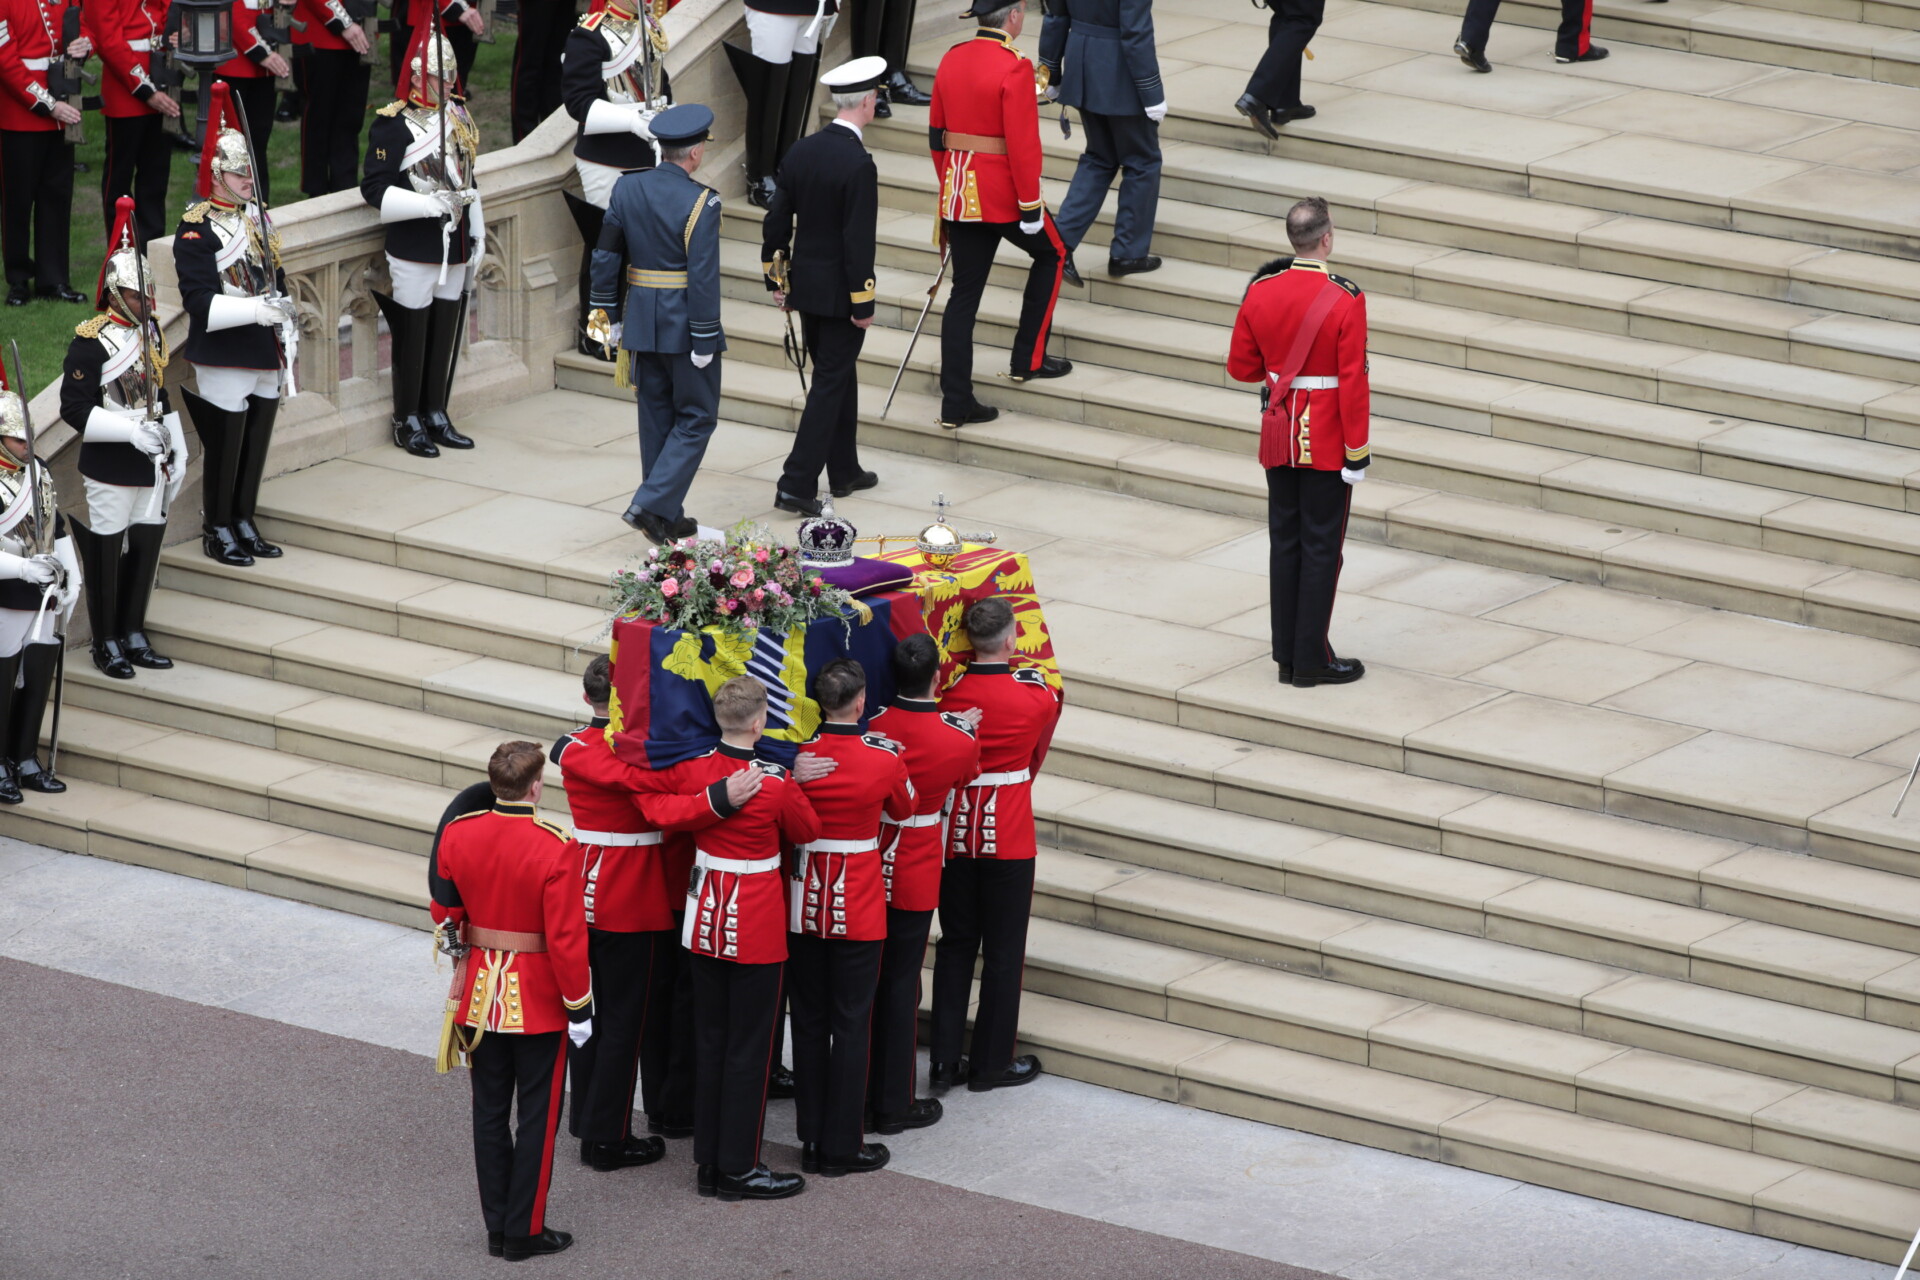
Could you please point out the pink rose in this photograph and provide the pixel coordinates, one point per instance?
(759, 595)
(742, 577)
(670, 588)
(760, 554)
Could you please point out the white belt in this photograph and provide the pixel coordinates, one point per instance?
(140, 46)
(917, 820)
(616, 839)
(735, 866)
(36, 64)
(1315, 384)
(1002, 779)
(841, 846)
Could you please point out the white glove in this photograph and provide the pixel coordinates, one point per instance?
(1035, 227)
(1052, 94)
(39, 570)
(400, 204)
(272, 311)
(1158, 111)
(451, 205)
(1351, 476)
(63, 552)
(151, 438)
(580, 1032)
(701, 362)
(613, 335)
(642, 124)
(105, 426)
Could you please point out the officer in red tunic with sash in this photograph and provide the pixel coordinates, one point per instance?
(506, 888)
(1302, 335)
(985, 136)
(837, 905)
(633, 890)
(986, 890)
(740, 810)
(943, 752)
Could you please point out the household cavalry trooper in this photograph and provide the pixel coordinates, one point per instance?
(240, 337)
(666, 315)
(777, 77)
(610, 78)
(419, 175)
(39, 582)
(133, 458)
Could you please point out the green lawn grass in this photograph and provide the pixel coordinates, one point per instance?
(44, 328)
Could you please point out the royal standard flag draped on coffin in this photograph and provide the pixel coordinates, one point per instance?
(663, 678)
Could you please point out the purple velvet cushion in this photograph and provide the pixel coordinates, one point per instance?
(865, 576)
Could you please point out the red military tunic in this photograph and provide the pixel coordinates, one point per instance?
(511, 872)
(633, 880)
(942, 753)
(29, 41)
(736, 897)
(839, 887)
(1322, 426)
(985, 89)
(124, 34)
(326, 24)
(250, 47)
(992, 815)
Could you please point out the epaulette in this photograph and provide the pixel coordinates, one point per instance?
(91, 328)
(391, 110)
(1352, 288)
(883, 742)
(1270, 270)
(592, 21)
(959, 722)
(771, 769)
(197, 212)
(555, 829)
(1030, 675)
(463, 817)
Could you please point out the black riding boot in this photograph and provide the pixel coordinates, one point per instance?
(409, 329)
(101, 563)
(38, 665)
(765, 86)
(9, 777)
(255, 439)
(137, 570)
(796, 113)
(220, 434)
(446, 317)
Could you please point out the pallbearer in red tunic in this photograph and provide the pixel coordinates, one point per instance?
(986, 890)
(740, 810)
(631, 898)
(942, 753)
(1302, 335)
(837, 904)
(506, 886)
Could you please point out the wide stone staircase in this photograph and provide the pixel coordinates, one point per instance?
(1593, 882)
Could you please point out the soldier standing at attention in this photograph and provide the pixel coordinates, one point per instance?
(38, 589)
(125, 33)
(250, 75)
(666, 315)
(1272, 98)
(943, 752)
(1302, 335)
(986, 890)
(984, 130)
(829, 186)
(506, 885)
(133, 457)
(333, 97)
(537, 48)
(36, 200)
(1099, 58)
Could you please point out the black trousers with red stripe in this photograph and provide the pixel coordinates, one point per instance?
(973, 245)
(36, 206)
(896, 1013)
(733, 1011)
(666, 1043)
(138, 157)
(537, 49)
(833, 983)
(984, 906)
(514, 1158)
(1570, 41)
(1306, 529)
(607, 1067)
(333, 115)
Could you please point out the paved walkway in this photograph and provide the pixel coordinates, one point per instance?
(189, 1112)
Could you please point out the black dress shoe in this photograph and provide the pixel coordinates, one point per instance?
(921, 1112)
(1339, 671)
(901, 89)
(19, 296)
(881, 111)
(1475, 58)
(865, 480)
(668, 1129)
(410, 433)
(9, 784)
(809, 1157)
(1132, 266)
(706, 1179)
(760, 194)
(685, 527)
(440, 427)
(945, 1075)
(870, 1156)
(34, 778)
(1071, 273)
(799, 506)
(63, 293)
(968, 417)
(1594, 53)
(1287, 115)
(140, 652)
(110, 656)
(1257, 115)
(496, 1243)
(1050, 367)
(248, 535)
(1286, 673)
(222, 544)
(780, 1083)
(758, 1183)
(1024, 1069)
(657, 529)
(520, 1248)
(605, 1157)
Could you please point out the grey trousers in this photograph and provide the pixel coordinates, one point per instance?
(1123, 146)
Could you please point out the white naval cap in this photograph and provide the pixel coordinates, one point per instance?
(857, 76)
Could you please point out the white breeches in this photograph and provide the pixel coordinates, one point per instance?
(112, 507)
(14, 624)
(229, 388)
(778, 36)
(596, 183)
(415, 284)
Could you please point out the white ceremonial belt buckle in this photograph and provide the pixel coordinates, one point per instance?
(36, 64)
(917, 820)
(1002, 779)
(1315, 384)
(735, 866)
(140, 46)
(616, 839)
(841, 846)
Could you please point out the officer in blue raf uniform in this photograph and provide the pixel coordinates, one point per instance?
(1099, 59)
(666, 227)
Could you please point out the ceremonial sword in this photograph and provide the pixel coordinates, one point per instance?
(795, 345)
(946, 254)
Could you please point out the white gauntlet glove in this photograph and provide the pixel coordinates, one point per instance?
(151, 438)
(1035, 227)
(39, 570)
(273, 311)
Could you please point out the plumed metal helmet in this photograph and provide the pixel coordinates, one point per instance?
(120, 283)
(434, 57)
(230, 154)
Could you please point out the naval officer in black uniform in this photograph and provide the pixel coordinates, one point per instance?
(829, 186)
(665, 314)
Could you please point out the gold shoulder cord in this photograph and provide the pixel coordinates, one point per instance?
(686, 237)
